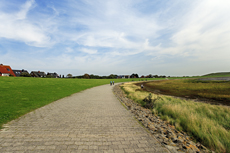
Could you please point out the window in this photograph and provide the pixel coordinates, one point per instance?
(8, 69)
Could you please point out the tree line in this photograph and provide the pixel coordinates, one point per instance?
(113, 76)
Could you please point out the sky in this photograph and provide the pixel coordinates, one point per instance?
(101, 37)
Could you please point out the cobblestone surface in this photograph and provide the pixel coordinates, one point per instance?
(89, 121)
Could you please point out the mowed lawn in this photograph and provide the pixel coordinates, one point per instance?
(20, 95)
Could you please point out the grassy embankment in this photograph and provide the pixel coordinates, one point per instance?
(19, 96)
(208, 124)
(220, 74)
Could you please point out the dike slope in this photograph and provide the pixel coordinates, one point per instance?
(89, 121)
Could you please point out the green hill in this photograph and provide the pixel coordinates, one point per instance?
(218, 74)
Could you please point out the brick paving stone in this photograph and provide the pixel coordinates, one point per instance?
(149, 149)
(119, 151)
(125, 142)
(91, 147)
(134, 142)
(113, 147)
(130, 150)
(83, 147)
(108, 151)
(107, 143)
(116, 143)
(89, 121)
(140, 150)
(133, 146)
(123, 146)
(142, 145)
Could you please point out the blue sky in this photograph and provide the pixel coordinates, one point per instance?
(103, 37)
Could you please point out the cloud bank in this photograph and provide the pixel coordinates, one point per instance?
(104, 37)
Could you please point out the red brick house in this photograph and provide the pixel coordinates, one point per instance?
(6, 70)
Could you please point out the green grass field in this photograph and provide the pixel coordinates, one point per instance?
(208, 124)
(20, 95)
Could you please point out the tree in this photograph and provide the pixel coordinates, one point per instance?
(69, 75)
(86, 76)
(94, 76)
(25, 74)
(80, 76)
(134, 75)
(112, 76)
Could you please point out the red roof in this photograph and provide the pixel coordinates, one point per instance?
(6, 69)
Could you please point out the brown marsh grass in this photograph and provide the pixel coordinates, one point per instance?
(206, 123)
(192, 88)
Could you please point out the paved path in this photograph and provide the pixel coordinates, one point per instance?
(90, 121)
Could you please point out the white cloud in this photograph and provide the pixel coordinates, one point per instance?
(204, 32)
(17, 27)
(88, 51)
(69, 50)
(24, 10)
(115, 24)
(119, 34)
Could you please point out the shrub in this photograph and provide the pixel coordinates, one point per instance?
(49, 76)
(25, 74)
(149, 102)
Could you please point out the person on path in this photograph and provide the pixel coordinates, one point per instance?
(142, 86)
(110, 82)
(113, 82)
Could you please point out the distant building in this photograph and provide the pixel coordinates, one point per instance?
(19, 72)
(149, 76)
(38, 74)
(123, 76)
(133, 76)
(6, 70)
(53, 75)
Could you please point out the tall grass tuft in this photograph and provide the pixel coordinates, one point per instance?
(207, 123)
